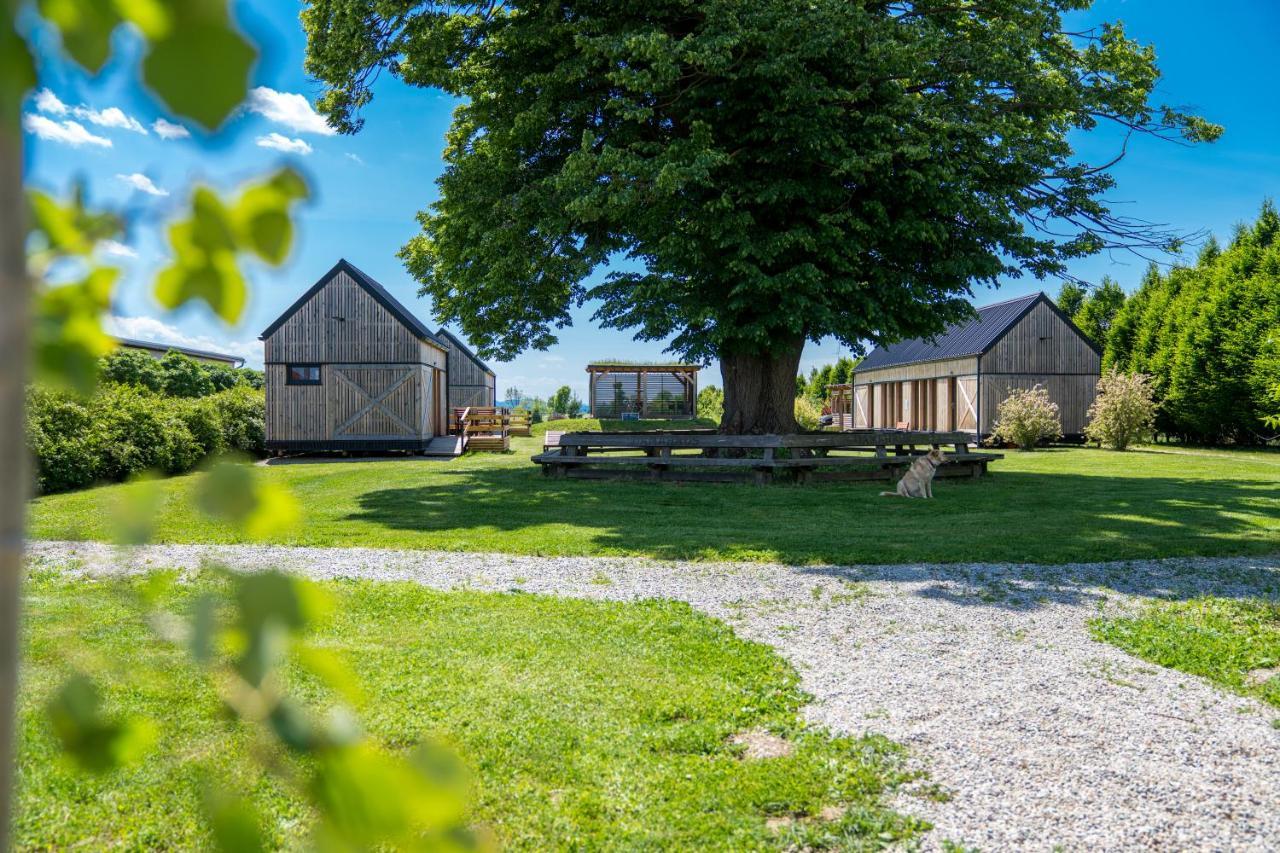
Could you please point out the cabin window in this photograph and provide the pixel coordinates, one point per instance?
(302, 374)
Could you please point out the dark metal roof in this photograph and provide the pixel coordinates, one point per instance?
(135, 343)
(970, 337)
(376, 290)
(450, 337)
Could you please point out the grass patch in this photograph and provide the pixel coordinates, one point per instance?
(585, 724)
(1229, 641)
(1053, 506)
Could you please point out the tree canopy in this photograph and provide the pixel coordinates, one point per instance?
(1209, 336)
(754, 175)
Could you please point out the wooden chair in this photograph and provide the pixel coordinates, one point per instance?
(551, 440)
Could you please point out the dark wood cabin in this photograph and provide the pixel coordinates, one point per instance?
(956, 382)
(471, 382)
(349, 368)
(657, 391)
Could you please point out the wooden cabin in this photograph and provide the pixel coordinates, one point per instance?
(644, 391)
(349, 368)
(956, 382)
(471, 382)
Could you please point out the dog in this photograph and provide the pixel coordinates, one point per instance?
(918, 481)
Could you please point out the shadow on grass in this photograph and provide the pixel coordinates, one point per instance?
(1044, 519)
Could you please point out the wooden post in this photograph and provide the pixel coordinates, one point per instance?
(15, 306)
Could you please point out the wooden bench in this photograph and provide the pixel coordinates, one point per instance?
(860, 455)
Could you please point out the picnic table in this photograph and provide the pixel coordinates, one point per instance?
(707, 455)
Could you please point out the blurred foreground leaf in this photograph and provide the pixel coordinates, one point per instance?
(95, 742)
(231, 492)
(206, 245)
(69, 339)
(236, 824)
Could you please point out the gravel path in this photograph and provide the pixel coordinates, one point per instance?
(1039, 735)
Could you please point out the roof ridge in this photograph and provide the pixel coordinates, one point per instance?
(1035, 295)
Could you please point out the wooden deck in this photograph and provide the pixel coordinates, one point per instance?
(483, 429)
(705, 455)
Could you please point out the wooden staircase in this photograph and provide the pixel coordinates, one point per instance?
(483, 429)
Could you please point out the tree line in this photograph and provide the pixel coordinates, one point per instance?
(1207, 334)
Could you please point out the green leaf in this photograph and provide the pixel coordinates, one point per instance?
(230, 492)
(69, 229)
(200, 70)
(333, 671)
(236, 824)
(96, 743)
(262, 215)
(367, 797)
(134, 512)
(216, 280)
(69, 340)
(86, 27)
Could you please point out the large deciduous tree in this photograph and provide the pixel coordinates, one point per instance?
(754, 175)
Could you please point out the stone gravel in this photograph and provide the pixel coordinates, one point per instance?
(1033, 735)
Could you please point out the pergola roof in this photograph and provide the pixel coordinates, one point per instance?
(630, 367)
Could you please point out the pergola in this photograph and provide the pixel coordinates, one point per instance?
(620, 390)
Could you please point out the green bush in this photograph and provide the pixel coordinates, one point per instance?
(125, 430)
(242, 412)
(1027, 417)
(1123, 411)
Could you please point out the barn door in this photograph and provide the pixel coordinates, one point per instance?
(860, 420)
(967, 403)
(375, 402)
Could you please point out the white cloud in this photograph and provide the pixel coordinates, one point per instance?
(291, 110)
(68, 132)
(47, 102)
(158, 331)
(169, 130)
(354, 158)
(117, 249)
(142, 183)
(110, 117)
(283, 143)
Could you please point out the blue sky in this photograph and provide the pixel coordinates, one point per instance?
(1217, 58)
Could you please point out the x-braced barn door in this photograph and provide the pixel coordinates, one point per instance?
(376, 402)
(967, 403)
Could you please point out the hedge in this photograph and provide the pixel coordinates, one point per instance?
(125, 430)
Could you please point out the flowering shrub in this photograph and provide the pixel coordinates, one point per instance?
(1124, 410)
(1026, 417)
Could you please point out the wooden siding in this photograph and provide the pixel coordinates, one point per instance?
(925, 370)
(469, 383)
(1073, 394)
(1041, 343)
(355, 402)
(343, 323)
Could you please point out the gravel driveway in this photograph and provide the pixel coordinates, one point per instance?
(1033, 734)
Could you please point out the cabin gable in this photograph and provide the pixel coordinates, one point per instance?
(341, 321)
(1043, 342)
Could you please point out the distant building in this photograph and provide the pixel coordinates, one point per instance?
(471, 382)
(158, 350)
(956, 382)
(627, 390)
(350, 368)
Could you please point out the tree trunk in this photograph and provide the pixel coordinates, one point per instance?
(14, 320)
(760, 390)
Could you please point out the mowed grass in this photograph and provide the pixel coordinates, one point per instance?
(1235, 643)
(1050, 506)
(585, 725)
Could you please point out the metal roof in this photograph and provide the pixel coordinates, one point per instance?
(154, 346)
(376, 290)
(970, 337)
(442, 332)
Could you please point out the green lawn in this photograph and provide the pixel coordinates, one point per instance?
(1221, 639)
(585, 725)
(1050, 506)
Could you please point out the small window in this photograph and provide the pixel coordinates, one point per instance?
(302, 374)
